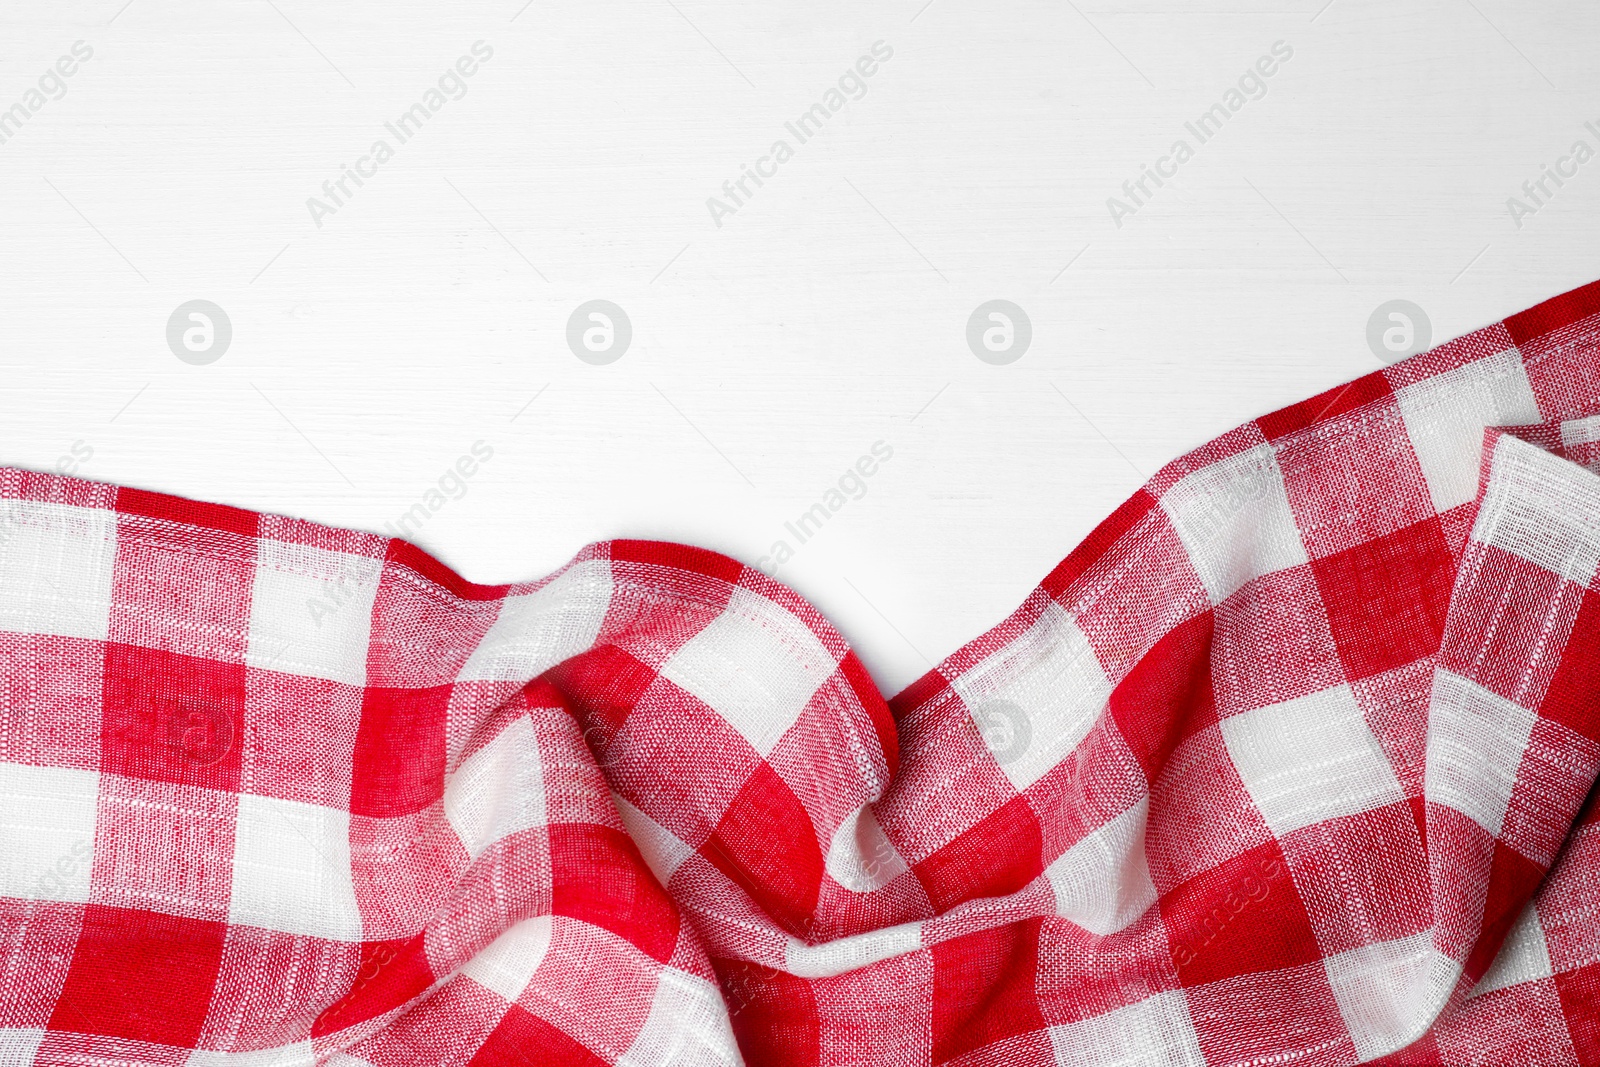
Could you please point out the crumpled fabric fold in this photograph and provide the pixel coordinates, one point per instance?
(1290, 762)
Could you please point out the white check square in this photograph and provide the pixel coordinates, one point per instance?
(1543, 509)
(1103, 882)
(1390, 992)
(300, 1054)
(1037, 698)
(47, 821)
(1235, 521)
(1445, 416)
(537, 630)
(18, 1046)
(1311, 759)
(1476, 739)
(1156, 1031)
(663, 852)
(1524, 956)
(756, 665)
(687, 1024)
(506, 966)
(55, 567)
(497, 790)
(291, 869)
(311, 612)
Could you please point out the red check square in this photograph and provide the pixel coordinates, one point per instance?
(172, 718)
(1386, 598)
(1241, 917)
(399, 754)
(140, 975)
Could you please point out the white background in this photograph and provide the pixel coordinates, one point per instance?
(828, 313)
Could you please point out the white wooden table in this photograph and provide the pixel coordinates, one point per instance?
(778, 338)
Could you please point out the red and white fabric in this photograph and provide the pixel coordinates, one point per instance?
(1288, 763)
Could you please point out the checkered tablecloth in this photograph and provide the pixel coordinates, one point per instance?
(1287, 764)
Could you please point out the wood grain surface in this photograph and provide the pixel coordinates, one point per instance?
(778, 338)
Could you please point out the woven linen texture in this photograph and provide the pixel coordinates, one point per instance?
(1288, 763)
